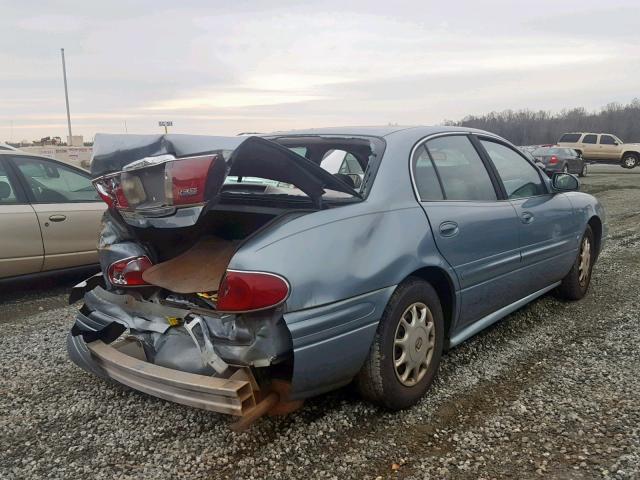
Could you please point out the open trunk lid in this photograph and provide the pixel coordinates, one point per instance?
(148, 177)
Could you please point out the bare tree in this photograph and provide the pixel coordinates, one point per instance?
(527, 127)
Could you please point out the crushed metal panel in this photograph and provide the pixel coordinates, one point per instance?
(199, 269)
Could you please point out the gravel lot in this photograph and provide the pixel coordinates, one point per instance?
(551, 391)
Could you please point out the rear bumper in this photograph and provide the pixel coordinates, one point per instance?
(124, 362)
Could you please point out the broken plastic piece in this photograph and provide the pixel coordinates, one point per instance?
(209, 356)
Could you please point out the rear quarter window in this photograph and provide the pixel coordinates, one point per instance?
(570, 137)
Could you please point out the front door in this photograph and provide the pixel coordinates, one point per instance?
(68, 208)
(609, 148)
(21, 250)
(474, 231)
(547, 226)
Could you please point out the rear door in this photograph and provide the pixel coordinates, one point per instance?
(68, 209)
(590, 147)
(474, 231)
(547, 225)
(21, 249)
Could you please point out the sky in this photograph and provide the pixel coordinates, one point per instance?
(225, 67)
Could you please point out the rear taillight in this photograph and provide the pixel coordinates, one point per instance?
(247, 291)
(110, 190)
(154, 185)
(128, 272)
(185, 180)
(553, 160)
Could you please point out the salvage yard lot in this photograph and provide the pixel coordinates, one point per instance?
(552, 390)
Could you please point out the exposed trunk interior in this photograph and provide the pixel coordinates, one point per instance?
(192, 260)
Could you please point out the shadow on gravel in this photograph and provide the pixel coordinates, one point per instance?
(22, 297)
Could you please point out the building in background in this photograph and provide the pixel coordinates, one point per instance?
(74, 154)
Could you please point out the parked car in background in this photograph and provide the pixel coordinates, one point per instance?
(4, 146)
(235, 300)
(558, 159)
(602, 148)
(49, 215)
(531, 148)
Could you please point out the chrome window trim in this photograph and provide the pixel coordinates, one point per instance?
(446, 134)
(479, 134)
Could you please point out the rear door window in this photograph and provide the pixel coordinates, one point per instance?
(590, 139)
(460, 169)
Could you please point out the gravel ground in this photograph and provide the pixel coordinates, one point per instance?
(551, 391)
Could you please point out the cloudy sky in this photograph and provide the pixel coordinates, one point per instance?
(222, 67)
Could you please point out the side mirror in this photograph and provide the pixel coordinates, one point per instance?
(565, 182)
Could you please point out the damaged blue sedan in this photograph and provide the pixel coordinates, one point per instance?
(244, 274)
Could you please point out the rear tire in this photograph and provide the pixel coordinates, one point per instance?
(565, 169)
(576, 284)
(585, 170)
(629, 160)
(405, 354)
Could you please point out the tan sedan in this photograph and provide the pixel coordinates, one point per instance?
(49, 215)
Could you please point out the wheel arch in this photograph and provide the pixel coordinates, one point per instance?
(596, 227)
(443, 284)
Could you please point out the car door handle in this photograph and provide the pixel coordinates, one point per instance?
(449, 229)
(527, 217)
(57, 218)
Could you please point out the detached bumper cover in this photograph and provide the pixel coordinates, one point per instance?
(124, 362)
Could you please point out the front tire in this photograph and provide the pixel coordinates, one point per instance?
(630, 160)
(576, 284)
(405, 355)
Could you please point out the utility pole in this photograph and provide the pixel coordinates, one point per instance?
(66, 97)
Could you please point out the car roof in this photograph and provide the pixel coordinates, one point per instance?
(376, 131)
(22, 152)
(5, 147)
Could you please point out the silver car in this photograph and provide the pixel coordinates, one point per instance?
(49, 216)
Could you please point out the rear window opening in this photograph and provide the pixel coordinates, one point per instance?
(182, 171)
(570, 137)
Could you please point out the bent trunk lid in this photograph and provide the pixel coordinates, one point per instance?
(142, 163)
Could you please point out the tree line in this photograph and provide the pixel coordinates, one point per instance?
(527, 127)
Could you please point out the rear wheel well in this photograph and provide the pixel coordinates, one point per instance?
(596, 227)
(631, 152)
(443, 286)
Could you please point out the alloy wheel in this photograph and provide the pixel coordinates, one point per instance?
(414, 344)
(629, 161)
(584, 262)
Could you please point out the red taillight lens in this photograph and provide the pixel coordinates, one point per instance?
(176, 182)
(186, 179)
(128, 272)
(553, 160)
(246, 291)
(104, 193)
(110, 190)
